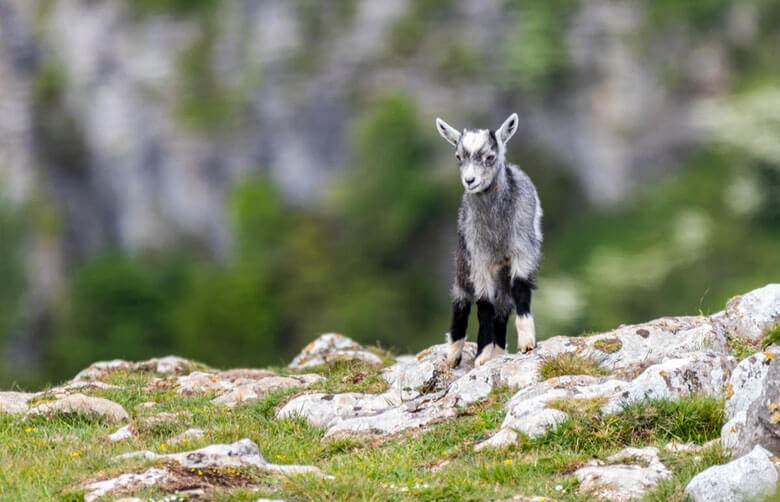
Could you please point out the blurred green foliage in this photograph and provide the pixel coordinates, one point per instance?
(373, 260)
(13, 279)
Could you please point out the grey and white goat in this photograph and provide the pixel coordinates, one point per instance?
(499, 242)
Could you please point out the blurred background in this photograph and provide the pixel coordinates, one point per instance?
(226, 180)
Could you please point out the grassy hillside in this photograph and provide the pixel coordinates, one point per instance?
(50, 459)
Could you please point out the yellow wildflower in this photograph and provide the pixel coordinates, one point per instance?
(29, 429)
(508, 461)
(75, 454)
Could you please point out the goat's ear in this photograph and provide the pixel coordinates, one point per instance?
(447, 132)
(508, 128)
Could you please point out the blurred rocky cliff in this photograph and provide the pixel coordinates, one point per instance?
(126, 123)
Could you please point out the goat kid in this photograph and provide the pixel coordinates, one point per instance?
(499, 242)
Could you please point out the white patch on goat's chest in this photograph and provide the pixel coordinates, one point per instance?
(474, 141)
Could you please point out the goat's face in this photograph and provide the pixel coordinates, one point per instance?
(480, 152)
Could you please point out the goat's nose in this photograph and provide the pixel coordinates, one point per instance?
(469, 181)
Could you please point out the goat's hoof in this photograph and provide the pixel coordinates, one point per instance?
(497, 352)
(484, 356)
(526, 333)
(455, 352)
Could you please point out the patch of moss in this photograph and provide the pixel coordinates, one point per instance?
(608, 345)
(570, 364)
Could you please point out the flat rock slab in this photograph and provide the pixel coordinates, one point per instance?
(14, 403)
(749, 478)
(127, 483)
(235, 387)
(241, 453)
(121, 434)
(332, 347)
(627, 475)
(79, 404)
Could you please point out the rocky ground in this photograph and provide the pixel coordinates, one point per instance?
(677, 407)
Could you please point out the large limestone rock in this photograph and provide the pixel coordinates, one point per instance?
(332, 347)
(698, 373)
(630, 346)
(14, 402)
(749, 478)
(749, 315)
(626, 475)
(79, 404)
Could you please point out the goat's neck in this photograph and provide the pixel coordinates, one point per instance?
(487, 199)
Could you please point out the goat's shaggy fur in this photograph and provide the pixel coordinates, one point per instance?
(499, 242)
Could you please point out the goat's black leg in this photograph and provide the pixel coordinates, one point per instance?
(457, 334)
(486, 313)
(499, 331)
(524, 322)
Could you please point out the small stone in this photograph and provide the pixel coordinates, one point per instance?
(125, 432)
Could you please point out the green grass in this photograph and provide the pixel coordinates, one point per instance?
(570, 364)
(771, 335)
(436, 464)
(740, 348)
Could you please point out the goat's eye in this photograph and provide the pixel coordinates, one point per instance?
(490, 159)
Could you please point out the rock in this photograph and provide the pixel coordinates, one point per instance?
(504, 438)
(747, 382)
(698, 373)
(241, 453)
(256, 390)
(63, 390)
(762, 418)
(325, 410)
(745, 387)
(516, 371)
(632, 345)
(163, 365)
(704, 373)
(79, 404)
(428, 371)
(127, 483)
(748, 478)
(527, 410)
(749, 315)
(235, 387)
(14, 403)
(100, 369)
(332, 347)
(125, 432)
(411, 415)
(623, 481)
(186, 436)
